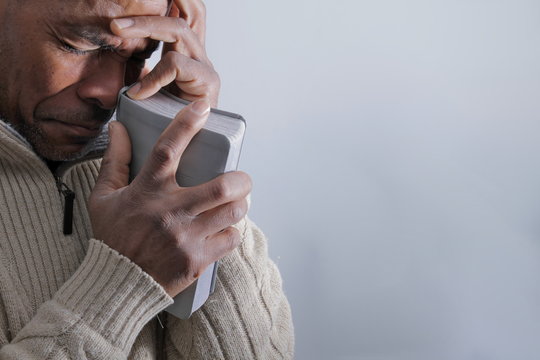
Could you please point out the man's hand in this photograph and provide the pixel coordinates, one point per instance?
(172, 233)
(184, 62)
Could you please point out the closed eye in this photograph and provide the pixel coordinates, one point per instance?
(74, 50)
(139, 59)
(71, 49)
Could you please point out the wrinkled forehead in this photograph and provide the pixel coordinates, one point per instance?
(90, 19)
(123, 8)
(102, 11)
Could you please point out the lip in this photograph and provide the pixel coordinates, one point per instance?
(77, 130)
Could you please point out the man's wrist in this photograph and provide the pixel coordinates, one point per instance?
(113, 295)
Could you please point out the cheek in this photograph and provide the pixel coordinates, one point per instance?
(56, 71)
(51, 72)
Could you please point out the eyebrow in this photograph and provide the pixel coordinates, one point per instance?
(94, 35)
(90, 34)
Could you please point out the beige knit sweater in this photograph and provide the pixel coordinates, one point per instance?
(73, 297)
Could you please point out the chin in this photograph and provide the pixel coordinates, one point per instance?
(66, 152)
(51, 144)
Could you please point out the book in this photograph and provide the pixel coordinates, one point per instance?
(214, 150)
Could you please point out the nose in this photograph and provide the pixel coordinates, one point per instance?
(103, 82)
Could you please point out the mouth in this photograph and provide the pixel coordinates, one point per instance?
(75, 129)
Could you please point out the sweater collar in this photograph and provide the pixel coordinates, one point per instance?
(11, 130)
(17, 143)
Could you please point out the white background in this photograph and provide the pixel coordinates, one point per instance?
(395, 152)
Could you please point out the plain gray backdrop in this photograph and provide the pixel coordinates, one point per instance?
(394, 147)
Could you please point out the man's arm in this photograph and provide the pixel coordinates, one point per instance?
(100, 310)
(166, 235)
(96, 314)
(248, 316)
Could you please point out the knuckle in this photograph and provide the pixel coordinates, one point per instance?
(245, 206)
(245, 179)
(164, 152)
(181, 26)
(143, 21)
(238, 211)
(151, 77)
(185, 214)
(172, 58)
(189, 124)
(159, 73)
(147, 24)
(151, 26)
(163, 222)
(188, 210)
(222, 190)
(214, 81)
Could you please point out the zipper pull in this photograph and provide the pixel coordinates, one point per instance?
(69, 199)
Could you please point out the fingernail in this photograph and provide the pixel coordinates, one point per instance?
(200, 107)
(134, 90)
(123, 23)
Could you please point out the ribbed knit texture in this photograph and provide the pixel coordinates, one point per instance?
(73, 297)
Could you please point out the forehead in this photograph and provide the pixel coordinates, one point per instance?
(101, 12)
(92, 18)
(122, 8)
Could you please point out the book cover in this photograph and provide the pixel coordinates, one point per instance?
(213, 151)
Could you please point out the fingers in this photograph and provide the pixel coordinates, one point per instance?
(226, 188)
(194, 12)
(195, 79)
(184, 69)
(163, 161)
(114, 172)
(222, 243)
(218, 218)
(172, 30)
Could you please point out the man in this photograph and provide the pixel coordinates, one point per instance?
(87, 282)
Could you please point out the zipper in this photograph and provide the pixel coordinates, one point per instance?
(160, 336)
(69, 199)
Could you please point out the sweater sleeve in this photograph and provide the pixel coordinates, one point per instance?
(96, 314)
(248, 315)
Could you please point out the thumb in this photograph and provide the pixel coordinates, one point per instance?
(114, 172)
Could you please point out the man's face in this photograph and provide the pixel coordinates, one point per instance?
(61, 68)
